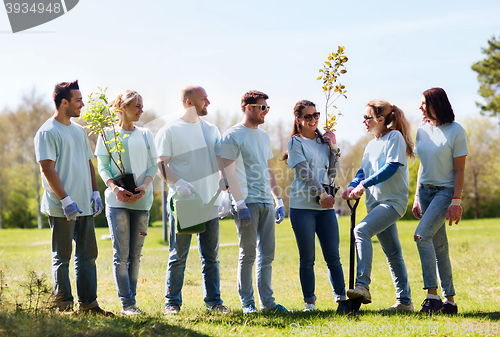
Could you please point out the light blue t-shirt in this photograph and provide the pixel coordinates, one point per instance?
(251, 149)
(391, 148)
(436, 146)
(192, 148)
(317, 155)
(68, 146)
(139, 159)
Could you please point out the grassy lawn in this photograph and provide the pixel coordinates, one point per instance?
(474, 250)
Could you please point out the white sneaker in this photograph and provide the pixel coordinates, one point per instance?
(360, 291)
(399, 307)
(310, 307)
(132, 310)
(250, 309)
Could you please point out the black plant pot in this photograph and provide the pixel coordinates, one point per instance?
(127, 182)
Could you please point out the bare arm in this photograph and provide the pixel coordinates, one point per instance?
(230, 173)
(416, 205)
(165, 172)
(275, 189)
(50, 173)
(459, 170)
(92, 176)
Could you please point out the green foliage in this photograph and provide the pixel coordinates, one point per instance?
(333, 67)
(99, 116)
(37, 291)
(473, 247)
(488, 75)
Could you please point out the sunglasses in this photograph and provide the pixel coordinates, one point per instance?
(263, 107)
(311, 116)
(367, 118)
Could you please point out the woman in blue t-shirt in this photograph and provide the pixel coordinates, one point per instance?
(384, 176)
(441, 146)
(128, 213)
(311, 207)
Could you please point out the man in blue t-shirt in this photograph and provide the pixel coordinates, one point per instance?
(246, 153)
(63, 151)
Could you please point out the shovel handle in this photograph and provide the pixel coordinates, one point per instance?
(352, 243)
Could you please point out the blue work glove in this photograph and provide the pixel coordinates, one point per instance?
(97, 202)
(244, 218)
(225, 205)
(280, 210)
(184, 188)
(70, 208)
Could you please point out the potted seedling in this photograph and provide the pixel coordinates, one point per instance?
(333, 67)
(99, 117)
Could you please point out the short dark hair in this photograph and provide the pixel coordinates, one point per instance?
(251, 97)
(63, 90)
(437, 98)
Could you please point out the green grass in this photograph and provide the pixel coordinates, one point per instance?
(473, 248)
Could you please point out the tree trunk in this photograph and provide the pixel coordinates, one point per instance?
(476, 198)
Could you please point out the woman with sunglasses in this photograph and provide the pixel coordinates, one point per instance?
(311, 207)
(442, 148)
(128, 213)
(384, 176)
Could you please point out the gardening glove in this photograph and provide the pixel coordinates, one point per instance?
(184, 188)
(417, 212)
(329, 136)
(70, 208)
(357, 192)
(225, 206)
(326, 200)
(244, 218)
(96, 200)
(347, 191)
(279, 210)
(454, 212)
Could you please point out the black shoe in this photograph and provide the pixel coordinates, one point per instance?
(97, 311)
(344, 307)
(430, 306)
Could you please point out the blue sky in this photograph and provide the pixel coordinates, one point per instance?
(396, 50)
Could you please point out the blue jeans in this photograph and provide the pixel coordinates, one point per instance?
(257, 241)
(208, 247)
(82, 232)
(381, 221)
(128, 229)
(307, 223)
(433, 244)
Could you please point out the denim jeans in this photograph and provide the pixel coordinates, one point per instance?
(82, 232)
(307, 223)
(256, 241)
(433, 244)
(381, 221)
(208, 247)
(128, 229)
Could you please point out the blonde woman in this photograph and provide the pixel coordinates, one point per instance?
(128, 213)
(385, 178)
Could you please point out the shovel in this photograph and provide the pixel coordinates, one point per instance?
(354, 303)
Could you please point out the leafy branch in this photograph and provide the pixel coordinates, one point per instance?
(332, 69)
(99, 116)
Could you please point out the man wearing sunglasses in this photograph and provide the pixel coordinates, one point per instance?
(246, 153)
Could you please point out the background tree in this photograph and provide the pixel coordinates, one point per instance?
(23, 123)
(481, 178)
(488, 74)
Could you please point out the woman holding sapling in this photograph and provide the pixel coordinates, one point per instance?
(384, 176)
(312, 157)
(127, 211)
(442, 148)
